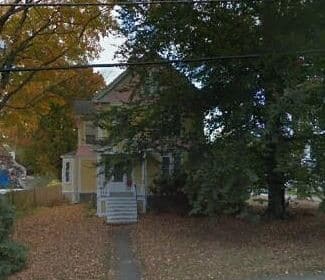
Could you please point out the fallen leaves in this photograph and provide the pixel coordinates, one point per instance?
(173, 247)
(64, 243)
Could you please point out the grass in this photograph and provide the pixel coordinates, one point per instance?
(174, 247)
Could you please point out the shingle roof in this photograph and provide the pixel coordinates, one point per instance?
(108, 95)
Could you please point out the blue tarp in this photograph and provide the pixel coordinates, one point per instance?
(4, 178)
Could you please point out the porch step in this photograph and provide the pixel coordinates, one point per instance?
(121, 210)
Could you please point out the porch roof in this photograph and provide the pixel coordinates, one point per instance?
(69, 155)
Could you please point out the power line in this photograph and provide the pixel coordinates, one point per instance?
(157, 62)
(123, 3)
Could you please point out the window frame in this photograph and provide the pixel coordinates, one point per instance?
(167, 171)
(90, 138)
(67, 171)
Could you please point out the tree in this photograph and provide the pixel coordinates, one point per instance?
(56, 134)
(157, 116)
(45, 36)
(46, 130)
(258, 100)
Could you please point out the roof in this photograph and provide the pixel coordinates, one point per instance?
(110, 94)
(70, 154)
(83, 107)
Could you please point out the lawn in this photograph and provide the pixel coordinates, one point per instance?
(174, 247)
(64, 242)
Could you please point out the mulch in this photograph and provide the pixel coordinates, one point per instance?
(65, 242)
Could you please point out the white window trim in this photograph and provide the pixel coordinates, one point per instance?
(64, 169)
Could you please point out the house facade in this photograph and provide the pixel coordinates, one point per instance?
(119, 196)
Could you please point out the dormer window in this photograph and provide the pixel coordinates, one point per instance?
(90, 133)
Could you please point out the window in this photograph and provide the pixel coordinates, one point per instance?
(165, 165)
(90, 133)
(67, 172)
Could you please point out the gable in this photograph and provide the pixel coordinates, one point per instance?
(119, 91)
(125, 86)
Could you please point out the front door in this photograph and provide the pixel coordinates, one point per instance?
(118, 181)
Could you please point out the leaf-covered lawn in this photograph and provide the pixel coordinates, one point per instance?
(64, 243)
(173, 247)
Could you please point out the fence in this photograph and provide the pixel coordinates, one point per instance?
(36, 197)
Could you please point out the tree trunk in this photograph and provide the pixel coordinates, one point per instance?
(276, 201)
(276, 186)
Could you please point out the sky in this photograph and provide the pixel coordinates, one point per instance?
(110, 45)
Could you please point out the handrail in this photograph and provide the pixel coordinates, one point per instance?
(136, 197)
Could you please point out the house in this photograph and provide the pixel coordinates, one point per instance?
(119, 195)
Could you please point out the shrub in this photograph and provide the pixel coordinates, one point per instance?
(6, 219)
(219, 182)
(168, 194)
(172, 185)
(12, 255)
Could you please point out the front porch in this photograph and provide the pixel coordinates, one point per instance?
(121, 195)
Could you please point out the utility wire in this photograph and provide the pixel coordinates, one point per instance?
(157, 62)
(122, 3)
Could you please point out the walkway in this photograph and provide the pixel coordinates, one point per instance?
(127, 267)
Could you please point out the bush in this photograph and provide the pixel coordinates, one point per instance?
(168, 194)
(6, 219)
(219, 182)
(172, 185)
(12, 255)
(210, 195)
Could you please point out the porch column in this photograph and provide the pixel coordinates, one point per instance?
(99, 178)
(144, 180)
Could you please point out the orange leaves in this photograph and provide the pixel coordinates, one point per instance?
(64, 244)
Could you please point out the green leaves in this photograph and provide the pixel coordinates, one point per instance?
(13, 258)
(55, 135)
(12, 255)
(6, 219)
(268, 110)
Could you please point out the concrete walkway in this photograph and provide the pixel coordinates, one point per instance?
(126, 265)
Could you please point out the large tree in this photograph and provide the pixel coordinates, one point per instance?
(45, 36)
(267, 103)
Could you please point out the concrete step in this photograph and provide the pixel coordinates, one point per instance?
(121, 201)
(121, 210)
(122, 197)
(125, 206)
(122, 215)
(116, 202)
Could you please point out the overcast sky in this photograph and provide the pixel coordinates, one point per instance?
(110, 45)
